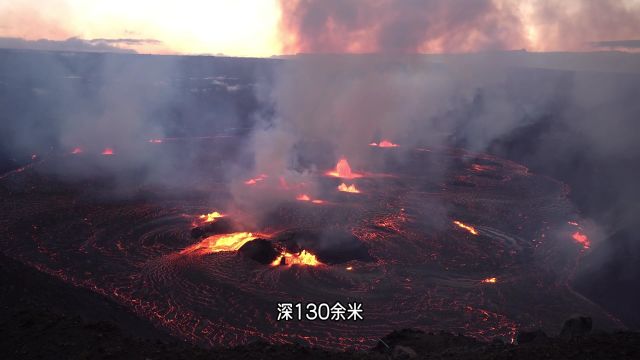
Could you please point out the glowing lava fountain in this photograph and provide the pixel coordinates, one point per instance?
(302, 258)
(343, 170)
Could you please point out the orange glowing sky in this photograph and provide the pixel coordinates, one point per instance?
(262, 28)
(238, 27)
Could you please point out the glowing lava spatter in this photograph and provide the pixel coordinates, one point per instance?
(305, 197)
(218, 243)
(490, 280)
(107, 151)
(302, 258)
(343, 170)
(76, 151)
(384, 144)
(210, 217)
(582, 239)
(470, 229)
(348, 188)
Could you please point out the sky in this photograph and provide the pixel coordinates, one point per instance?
(238, 27)
(261, 28)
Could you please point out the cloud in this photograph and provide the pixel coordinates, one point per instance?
(126, 41)
(71, 44)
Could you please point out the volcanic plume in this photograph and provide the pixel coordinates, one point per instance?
(433, 26)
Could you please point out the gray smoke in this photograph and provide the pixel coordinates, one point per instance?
(434, 26)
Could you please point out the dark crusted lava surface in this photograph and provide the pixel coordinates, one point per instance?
(44, 318)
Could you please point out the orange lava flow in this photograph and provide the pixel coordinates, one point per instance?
(384, 144)
(302, 258)
(582, 239)
(107, 151)
(219, 243)
(210, 216)
(490, 280)
(343, 170)
(76, 151)
(350, 188)
(470, 229)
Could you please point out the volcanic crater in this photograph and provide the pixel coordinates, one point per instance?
(444, 239)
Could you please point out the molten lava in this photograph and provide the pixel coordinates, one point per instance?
(107, 151)
(490, 280)
(582, 239)
(305, 197)
(302, 258)
(210, 217)
(351, 188)
(470, 229)
(218, 243)
(76, 151)
(155, 141)
(256, 180)
(343, 170)
(384, 144)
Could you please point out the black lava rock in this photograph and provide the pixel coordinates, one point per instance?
(259, 250)
(576, 327)
(219, 226)
(527, 337)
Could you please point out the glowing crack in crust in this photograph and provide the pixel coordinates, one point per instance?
(469, 228)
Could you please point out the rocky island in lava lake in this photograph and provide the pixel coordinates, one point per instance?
(383, 193)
